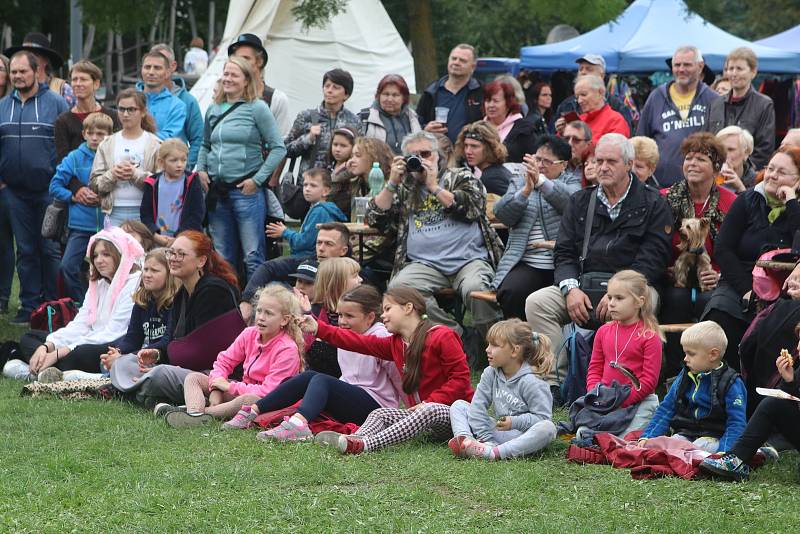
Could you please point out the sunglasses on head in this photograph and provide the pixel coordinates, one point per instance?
(475, 136)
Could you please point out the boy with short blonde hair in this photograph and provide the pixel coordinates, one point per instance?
(707, 402)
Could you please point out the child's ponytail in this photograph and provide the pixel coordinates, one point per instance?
(536, 348)
(413, 357)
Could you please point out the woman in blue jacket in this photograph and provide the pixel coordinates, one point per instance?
(238, 127)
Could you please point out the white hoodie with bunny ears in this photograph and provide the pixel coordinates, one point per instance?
(106, 309)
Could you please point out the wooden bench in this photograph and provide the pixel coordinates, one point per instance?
(776, 265)
(486, 296)
(675, 328)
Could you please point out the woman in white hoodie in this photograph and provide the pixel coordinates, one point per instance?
(104, 316)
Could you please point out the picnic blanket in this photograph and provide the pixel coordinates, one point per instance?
(320, 424)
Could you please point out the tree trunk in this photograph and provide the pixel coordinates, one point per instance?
(120, 62)
(172, 10)
(110, 65)
(192, 19)
(423, 46)
(212, 20)
(88, 43)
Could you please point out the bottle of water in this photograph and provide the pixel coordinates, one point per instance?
(375, 179)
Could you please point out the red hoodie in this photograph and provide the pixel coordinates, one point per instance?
(444, 375)
(605, 120)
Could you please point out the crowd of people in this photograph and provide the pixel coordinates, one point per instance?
(535, 220)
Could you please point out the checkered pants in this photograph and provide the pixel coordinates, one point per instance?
(390, 426)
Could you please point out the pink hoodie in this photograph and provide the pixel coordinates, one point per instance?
(265, 365)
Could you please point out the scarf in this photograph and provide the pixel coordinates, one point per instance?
(506, 125)
(680, 201)
(776, 208)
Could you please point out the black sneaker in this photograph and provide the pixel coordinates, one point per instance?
(23, 318)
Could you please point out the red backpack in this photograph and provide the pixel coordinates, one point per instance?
(54, 314)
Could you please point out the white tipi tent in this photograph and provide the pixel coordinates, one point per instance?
(361, 40)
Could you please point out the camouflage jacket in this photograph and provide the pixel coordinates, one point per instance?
(469, 205)
(315, 154)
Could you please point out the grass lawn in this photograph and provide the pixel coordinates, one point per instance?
(93, 466)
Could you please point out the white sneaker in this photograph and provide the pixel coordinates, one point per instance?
(18, 370)
(76, 374)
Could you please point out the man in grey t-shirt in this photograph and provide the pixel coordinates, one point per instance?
(444, 239)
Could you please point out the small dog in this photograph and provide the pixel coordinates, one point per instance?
(693, 253)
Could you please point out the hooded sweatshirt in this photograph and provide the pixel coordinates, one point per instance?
(265, 365)
(106, 309)
(77, 164)
(379, 378)
(662, 122)
(192, 133)
(168, 110)
(304, 241)
(27, 146)
(524, 397)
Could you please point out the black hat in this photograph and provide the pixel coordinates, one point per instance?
(306, 271)
(249, 39)
(38, 43)
(340, 77)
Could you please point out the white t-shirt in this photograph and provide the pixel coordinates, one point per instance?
(125, 193)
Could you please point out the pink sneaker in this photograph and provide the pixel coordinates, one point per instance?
(242, 420)
(475, 449)
(286, 431)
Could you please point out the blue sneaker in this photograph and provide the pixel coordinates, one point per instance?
(729, 466)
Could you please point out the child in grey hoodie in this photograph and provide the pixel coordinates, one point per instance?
(522, 401)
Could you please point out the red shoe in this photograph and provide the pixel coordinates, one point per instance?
(456, 445)
(350, 444)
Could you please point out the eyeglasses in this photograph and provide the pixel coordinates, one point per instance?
(780, 173)
(127, 111)
(546, 162)
(573, 139)
(175, 254)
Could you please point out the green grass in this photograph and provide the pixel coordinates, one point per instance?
(90, 466)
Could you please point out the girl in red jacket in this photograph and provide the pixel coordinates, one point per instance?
(269, 353)
(432, 364)
(628, 348)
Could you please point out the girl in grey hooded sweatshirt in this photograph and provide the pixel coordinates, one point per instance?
(522, 401)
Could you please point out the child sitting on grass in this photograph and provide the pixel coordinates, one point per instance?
(269, 353)
(316, 188)
(522, 402)
(71, 185)
(707, 402)
(172, 200)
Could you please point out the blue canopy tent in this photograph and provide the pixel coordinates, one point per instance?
(497, 65)
(645, 35)
(788, 40)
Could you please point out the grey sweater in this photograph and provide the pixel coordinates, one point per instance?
(519, 213)
(524, 397)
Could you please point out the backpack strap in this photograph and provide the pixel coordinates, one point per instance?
(267, 95)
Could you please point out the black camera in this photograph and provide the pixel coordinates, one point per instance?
(413, 163)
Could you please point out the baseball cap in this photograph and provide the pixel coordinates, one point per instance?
(306, 271)
(594, 59)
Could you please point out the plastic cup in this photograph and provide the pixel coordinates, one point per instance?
(441, 114)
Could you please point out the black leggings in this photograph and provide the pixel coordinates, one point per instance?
(772, 415)
(344, 402)
(734, 330)
(521, 281)
(81, 358)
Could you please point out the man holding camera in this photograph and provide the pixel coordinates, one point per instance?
(444, 239)
(631, 229)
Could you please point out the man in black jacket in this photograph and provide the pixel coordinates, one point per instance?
(458, 95)
(631, 229)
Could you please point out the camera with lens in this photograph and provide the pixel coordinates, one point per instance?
(413, 163)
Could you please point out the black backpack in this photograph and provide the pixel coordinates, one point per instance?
(579, 351)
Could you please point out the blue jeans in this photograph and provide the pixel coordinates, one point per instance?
(237, 226)
(71, 263)
(6, 248)
(37, 258)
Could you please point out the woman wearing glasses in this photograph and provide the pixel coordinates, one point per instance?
(532, 209)
(502, 111)
(125, 159)
(479, 147)
(763, 218)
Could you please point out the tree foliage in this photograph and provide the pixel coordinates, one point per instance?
(749, 19)
(316, 13)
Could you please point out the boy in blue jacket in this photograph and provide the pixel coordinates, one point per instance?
(71, 185)
(317, 186)
(707, 402)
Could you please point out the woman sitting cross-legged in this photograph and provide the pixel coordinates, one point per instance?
(366, 383)
(433, 366)
(103, 318)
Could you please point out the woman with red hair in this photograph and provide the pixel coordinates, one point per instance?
(503, 111)
(209, 289)
(389, 119)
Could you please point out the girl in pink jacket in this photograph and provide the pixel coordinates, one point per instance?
(269, 353)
